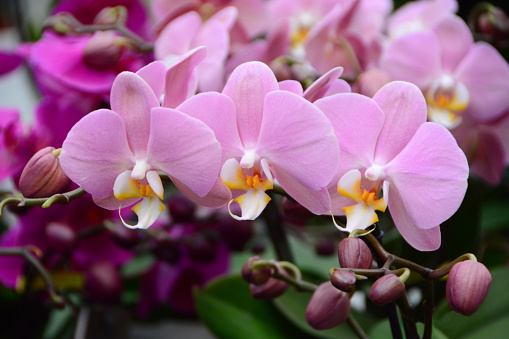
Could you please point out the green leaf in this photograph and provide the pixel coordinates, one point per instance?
(137, 266)
(228, 309)
(490, 321)
(293, 305)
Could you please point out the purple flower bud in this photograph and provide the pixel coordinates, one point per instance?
(103, 282)
(354, 253)
(386, 289)
(60, 236)
(102, 51)
(181, 209)
(343, 280)
(328, 307)
(42, 176)
(467, 286)
(272, 289)
(494, 23)
(324, 247)
(258, 276)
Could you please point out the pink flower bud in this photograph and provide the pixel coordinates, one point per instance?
(328, 307)
(343, 280)
(354, 253)
(386, 289)
(258, 276)
(42, 175)
(101, 51)
(60, 236)
(467, 286)
(494, 23)
(272, 289)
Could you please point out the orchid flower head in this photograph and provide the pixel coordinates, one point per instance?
(116, 154)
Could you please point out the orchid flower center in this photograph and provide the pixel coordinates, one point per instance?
(250, 180)
(362, 214)
(447, 99)
(300, 26)
(150, 191)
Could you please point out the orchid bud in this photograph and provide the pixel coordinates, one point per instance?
(386, 289)
(494, 23)
(354, 253)
(103, 282)
(343, 280)
(42, 175)
(467, 286)
(324, 247)
(272, 289)
(328, 307)
(111, 15)
(181, 209)
(102, 51)
(257, 276)
(202, 249)
(60, 236)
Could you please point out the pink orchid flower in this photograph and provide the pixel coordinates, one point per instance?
(457, 75)
(214, 34)
(116, 154)
(387, 146)
(268, 135)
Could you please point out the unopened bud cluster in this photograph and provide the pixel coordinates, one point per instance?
(262, 284)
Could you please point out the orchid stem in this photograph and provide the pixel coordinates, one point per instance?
(62, 198)
(28, 256)
(277, 233)
(428, 305)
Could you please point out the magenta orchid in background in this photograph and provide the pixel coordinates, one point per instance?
(171, 44)
(387, 145)
(37, 228)
(116, 154)
(9, 61)
(18, 142)
(267, 135)
(86, 12)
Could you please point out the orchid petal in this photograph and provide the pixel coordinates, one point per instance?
(291, 86)
(147, 210)
(484, 72)
(455, 40)
(414, 58)
(219, 195)
(132, 98)
(322, 84)
(296, 136)
(179, 77)
(112, 203)
(430, 175)
(488, 161)
(153, 74)
(185, 148)
(247, 87)
(96, 152)
(172, 41)
(217, 111)
(405, 110)
(318, 202)
(420, 239)
(350, 185)
(252, 204)
(357, 121)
